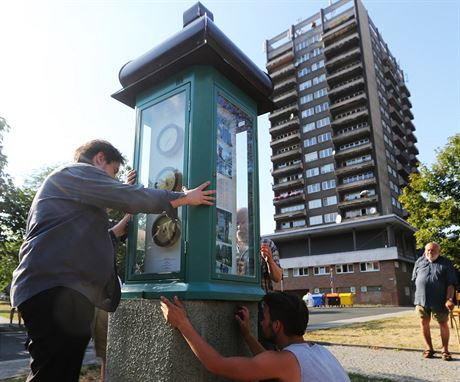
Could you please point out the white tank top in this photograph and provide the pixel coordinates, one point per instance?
(317, 364)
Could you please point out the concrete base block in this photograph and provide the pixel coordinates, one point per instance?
(142, 347)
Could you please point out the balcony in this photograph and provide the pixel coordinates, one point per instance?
(343, 59)
(409, 124)
(392, 99)
(398, 128)
(342, 45)
(390, 86)
(289, 139)
(389, 74)
(287, 155)
(294, 168)
(288, 185)
(285, 98)
(407, 112)
(359, 202)
(337, 32)
(293, 108)
(285, 125)
(353, 151)
(283, 86)
(405, 100)
(413, 161)
(280, 61)
(356, 83)
(411, 136)
(348, 101)
(351, 117)
(342, 74)
(351, 135)
(354, 168)
(399, 142)
(284, 72)
(361, 184)
(289, 197)
(395, 114)
(412, 148)
(403, 87)
(402, 156)
(290, 214)
(403, 170)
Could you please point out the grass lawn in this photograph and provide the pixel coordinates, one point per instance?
(397, 332)
(5, 310)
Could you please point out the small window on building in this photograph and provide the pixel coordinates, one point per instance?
(369, 266)
(353, 289)
(300, 272)
(344, 268)
(323, 270)
(316, 290)
(285, 273)
(374, 288)
(364, 289)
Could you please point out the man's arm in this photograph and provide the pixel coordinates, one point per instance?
(269, 254)
(242, 317)
(450, 297)
(266, 365)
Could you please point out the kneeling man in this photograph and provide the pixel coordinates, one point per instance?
(285, 319)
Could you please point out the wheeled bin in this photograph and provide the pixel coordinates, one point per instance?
(318, 299)
(333, 299)
(346, 299)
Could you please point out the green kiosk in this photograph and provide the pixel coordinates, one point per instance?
(197, 97)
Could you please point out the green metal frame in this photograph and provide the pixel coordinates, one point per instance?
(197, 278)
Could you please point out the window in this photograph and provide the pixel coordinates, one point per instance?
(312, 188)
(374, 288)
(358, 177)
(285, 273)
(308, 112)
(324, 137)
(323, 122)
(306, 98)
(309, 142)
(296, 272)
(315, 220)
(322, 107)
(327, 168)
(317, 65)
(311, 156)
(326, 152)
(329, 201)
(298, 223)
(320, 93)
(319, 79)
(309, 127)
(311, 172)
(315, 203)
(293, 208)
(369, 266)
(305, 85)
(322, 270)
(344, 268)
(328, 184)
(303, 72)
(330, 218)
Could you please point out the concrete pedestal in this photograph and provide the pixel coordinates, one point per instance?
(142, 347)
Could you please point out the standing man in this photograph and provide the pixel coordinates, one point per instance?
(67, 255)
(308, 299)
(435, 282)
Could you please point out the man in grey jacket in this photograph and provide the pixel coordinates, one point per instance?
(67, 256)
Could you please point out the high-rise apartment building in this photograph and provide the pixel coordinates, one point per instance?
(343, 146)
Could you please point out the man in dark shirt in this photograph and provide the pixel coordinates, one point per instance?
(66, 259)
(435, 281)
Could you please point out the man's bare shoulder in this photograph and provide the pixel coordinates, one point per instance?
(279, 364)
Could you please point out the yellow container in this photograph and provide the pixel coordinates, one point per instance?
(346, 298)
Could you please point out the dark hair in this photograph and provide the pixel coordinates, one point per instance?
(86, 153)
(288, 309)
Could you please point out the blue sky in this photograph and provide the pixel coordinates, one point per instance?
(60, 60)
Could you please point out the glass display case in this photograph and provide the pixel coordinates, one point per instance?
(161, 165)
(234, 253)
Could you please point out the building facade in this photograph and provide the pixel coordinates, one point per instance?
(343, 146)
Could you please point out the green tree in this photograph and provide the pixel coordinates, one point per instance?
(432, 198)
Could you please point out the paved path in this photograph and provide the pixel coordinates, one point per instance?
(397, 365)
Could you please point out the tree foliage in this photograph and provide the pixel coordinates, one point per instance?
(433, 200)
